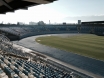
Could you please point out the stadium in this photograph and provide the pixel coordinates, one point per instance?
(50, 51)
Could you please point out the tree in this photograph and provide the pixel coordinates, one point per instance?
(64, 23)
(41, 23)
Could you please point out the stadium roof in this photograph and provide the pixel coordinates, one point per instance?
(93, 22)
(12, 5)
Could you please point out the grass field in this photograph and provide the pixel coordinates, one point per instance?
(87, 45)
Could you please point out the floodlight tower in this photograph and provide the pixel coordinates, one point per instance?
(49, 22)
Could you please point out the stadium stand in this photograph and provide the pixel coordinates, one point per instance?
(96, 27)
(23, 31)
(15, 63)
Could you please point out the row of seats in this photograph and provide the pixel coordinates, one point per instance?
(93, 29)
(25, 31)
(16, 63)
(22, 30)
(11, 67)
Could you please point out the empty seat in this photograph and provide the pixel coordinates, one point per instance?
(2, 74)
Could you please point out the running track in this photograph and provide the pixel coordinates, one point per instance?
(85, 63)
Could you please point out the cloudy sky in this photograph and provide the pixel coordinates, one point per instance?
(59, 11)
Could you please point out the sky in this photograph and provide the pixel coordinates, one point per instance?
(59, 11)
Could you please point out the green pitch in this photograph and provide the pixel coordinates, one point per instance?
(87, 45)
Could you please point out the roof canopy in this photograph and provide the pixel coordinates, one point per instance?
(12, 5)
(93, 22)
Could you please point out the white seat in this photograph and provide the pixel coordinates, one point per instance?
(30, 75)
